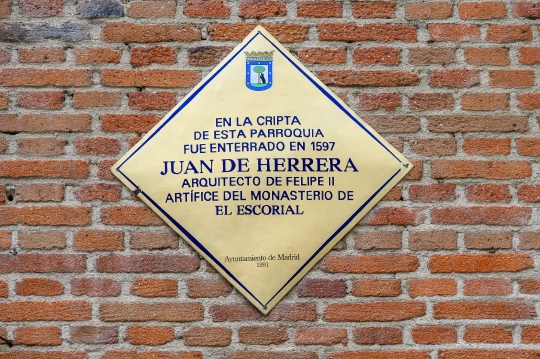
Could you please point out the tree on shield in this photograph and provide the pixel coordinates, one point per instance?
(259, 70)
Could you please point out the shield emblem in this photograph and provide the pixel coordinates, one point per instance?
(259, 72)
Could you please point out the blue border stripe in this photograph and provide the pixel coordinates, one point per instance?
(192, 238)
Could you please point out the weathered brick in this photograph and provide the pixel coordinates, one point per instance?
(376, 288)
(237, 32)
(433, 240)
(97, 146)
(153, 287)
(485, 101)
(142, 56)
(378, 240)
(319, 55)
(91, 9)
(4, 100)
(39, 193)
(5, 9)
(209, 8)
(436, 192)
(150, 78)
(90, 99)
(144, 312)
(482, 10)
(45, 168)
(493, 215)
(69, 310)
(39, 286)
(530, 335)
(529, 9)
(5, 239)
(511, 78)
(509, 33)
(376, 55)
(529, 101)
(207, 55)
(320, 336)
(477, 123)
(528, 146)
(393, 124)
(284, 311)
(155, 335)
(147, 263)
(138, 216)
(529, 193)
(486, 146)
(368, 78)
(388, 101)
(153, 240)
(41, 8)
(434, 335)
(431, 287)
(46, 215)
(431, 101)
(45, 77)
(428, 10)
(487, 286)
(142, 9)
(271, 354)
(104, 169)
(382, 263)
(529, 240)
(497, 56)
(45, 146)
(161, 354)
(262, 335)
(487, 334)
(322, 288)
(434, 146)
(208, 336)
(95, 287)
(529, 286)
(42, 336)
(18, 32)
(144, 101)
(373, 312)
(262, 9)
(483, 310)
(87, 334)
(374, 10)
(377, 335)
(400, 216)
(97, 55)
(208, 288)
(529, 55)
(45, 123)
(480, 169)
(42, 54)
(480, 263)
(98, 240)
(320, 9)
(488, 192)
(454, 32)
(454, 78)
(42, 239)
(366, 32)
(432, 55)
(125, 32)
(128, 123)
(43, 263)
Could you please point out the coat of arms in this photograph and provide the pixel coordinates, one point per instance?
(259, 73)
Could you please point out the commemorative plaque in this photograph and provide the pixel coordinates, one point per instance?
(261, 169)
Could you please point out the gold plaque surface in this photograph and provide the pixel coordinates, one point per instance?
(261, 169)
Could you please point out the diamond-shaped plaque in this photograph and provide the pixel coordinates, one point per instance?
(261, 169)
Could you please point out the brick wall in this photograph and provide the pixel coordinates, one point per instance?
(443, 268)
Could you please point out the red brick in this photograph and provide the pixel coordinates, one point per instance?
(529, 55)
(46, 215)
(434, 335)
(208, 288)
(126, 33)
(374, 10)
(211, 8)
(320, 336)
(102, 191)
(529, 9)
(529, 286)
(45, 168)
(4, 99)
(387, 101)
(4, 290)
(497, 56)
(483, 310)
(262, 9)
(5, 9)
(409, 354)
(480, 169)
(529, 193)
(454, 32)
(234, 312)
(262, 335)
(144, 312)
(149, 78)
(42, 240)
(137, 216)
(39, 193)
(207, 336)
(429, 10)
(320, 9)
(45, 100)
(487, 286)
(290, 312)
(97, 55)
(366, 32)
(480, 263)
(528, 146)
(207, 55)
(5, 239)
(319, 55)
(529, 101)
(435, 192)
(144, 101)
(530, 335)
(128, 123)
(142, 56)
(237, 32)
(42, 54)
(487, 146)
(137, 354)
(69, 310)
(142, 9)
(368, 263)
(454, 78)
(87, 334)
(487, 334)
(153, 287)
(431, 101)
(374, 78)
(477, 123)
(45, 123)
(322, 288)
(376, 55)
(41, 8)
(252, 354)
(493, 215)
(434, 146)
(97, 146)
(39, 286)
(156, 335)
(45, 77)
(373, 312)
(400, 216)
(394, 194)
(529, 240)
(90, 99)
(41, 146)
(432, 55)
(42, 336)
(377, 335)
(95, 287)
(30, 354)
(485, 101)
(482, 10)
(98, 240)
(431, 287)
(511, 78)
(104, 169)
(153, 240)
(432, 240)
(509, 33)
(147, 263)
(488, 192)
(378, 240)
(376, 288)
